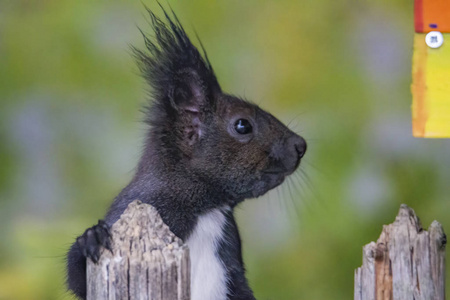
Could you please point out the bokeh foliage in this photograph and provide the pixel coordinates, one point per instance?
(338, 72)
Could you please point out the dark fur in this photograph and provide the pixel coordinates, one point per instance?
(194, 160)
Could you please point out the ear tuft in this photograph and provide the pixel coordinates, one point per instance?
(180, 77)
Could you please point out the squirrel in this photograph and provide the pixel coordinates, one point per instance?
(205, 152)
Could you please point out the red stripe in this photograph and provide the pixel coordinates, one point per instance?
(418, 15)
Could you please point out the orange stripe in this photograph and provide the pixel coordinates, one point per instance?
(436, 13)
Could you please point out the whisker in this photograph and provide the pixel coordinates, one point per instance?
(303, 191)
(275, 206)
(295, 117)
(299, 182)
(314, 166)
(310, 185)
(281, 203)
(308, 180)
(293, 201)
(285, 200)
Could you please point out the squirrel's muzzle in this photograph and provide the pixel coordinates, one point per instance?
(286, 155)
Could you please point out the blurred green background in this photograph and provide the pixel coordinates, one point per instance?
(338, 72)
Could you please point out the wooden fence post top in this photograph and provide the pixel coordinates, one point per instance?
(142, 221)
(147, 260)
(406, 214)
(406, 262)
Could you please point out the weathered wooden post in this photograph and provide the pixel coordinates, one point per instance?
(147, 262)
(406, 263)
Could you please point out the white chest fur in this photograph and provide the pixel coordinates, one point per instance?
(208, 276)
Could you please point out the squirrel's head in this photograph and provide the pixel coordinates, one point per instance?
(197, 130)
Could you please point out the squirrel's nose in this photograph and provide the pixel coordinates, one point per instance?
(299, 144)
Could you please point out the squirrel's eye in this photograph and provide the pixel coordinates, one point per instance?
(243, 126)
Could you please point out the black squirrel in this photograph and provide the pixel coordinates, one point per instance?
(205, 152)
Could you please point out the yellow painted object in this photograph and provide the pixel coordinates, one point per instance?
(431, 88)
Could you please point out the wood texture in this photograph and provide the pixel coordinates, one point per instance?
(406, 263)
(147, 262)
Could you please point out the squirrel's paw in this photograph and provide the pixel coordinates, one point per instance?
(93, 239)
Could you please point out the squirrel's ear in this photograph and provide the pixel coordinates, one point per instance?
(182, 79)
(191, 100)
(190, 93)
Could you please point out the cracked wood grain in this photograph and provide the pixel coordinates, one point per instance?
(147, 261)
(406, 262)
